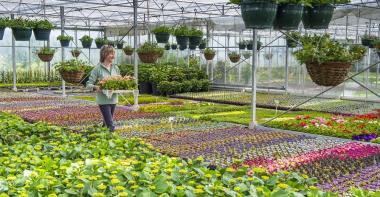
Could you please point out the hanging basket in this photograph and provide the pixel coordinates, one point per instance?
(128, 51)
(209, 56)
(195, 40)
(234, 59)
(75, 53)
(243, 46)
(258, 15)
(2, 29)
(288, 16)
(182, 40)
(22, 34)
(41, 34)
(148, 58)
(45, 57)
(317, 17)
(119, 46)
(250, 46)
(162, 37)
(202, 46)
(173, 46)
(72, 77)
(167, 47)
(65, 43)
(86, 44)
(99, 45)
(182, 47)
(192, 47)
(328, 73)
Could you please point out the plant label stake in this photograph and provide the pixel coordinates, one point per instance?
(277, 102)
(171, 120)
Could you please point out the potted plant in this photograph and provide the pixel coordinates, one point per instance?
(99, 42)
(195, 36)
(192, 47)
(182, 35)
(289, 14)
(120, 44)
(118, 83)
(234, 56)
(319, 13)
(162, 33)
(203, 44)
(369, 40)
(86, 41)
(173, 46)
(4, 22)
(111, 43)
(327, 62)
(247, 54)
(75, 52)
(292, 39)
(71, 71)
(257, 14)
(148, 52)
(64, 40)
(46, 54)
(42, 29)
(250, 45)
(21, 28)
(209, 53)
(167, 46)
(182, 47)
(242, 44)
(128, 50)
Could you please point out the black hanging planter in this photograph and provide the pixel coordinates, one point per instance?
(167, 47)
(22, 34)
(119, 46)
(242, 46)
(41, 34)
(288, 16)
(258, 15)
(2, 29)
(182, 40)
(86, 44)
(195, 40)
(291, 43)
(317, 17)
(192, 47)
(202, 46)
(173, 46)
(65, 43)
(145, 88)
(182, 47)
(98, 45)
(162, 37)
(250, 46)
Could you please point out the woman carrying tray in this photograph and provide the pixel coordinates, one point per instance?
(105, 69)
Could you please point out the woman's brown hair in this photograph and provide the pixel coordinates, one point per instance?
(105, 51)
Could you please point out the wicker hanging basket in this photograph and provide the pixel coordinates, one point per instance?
(209, 56)
(75, 53)
(72, 77)
(148, 57)
(128, 52)
(234, 59)
(328, 73)
(45, 57)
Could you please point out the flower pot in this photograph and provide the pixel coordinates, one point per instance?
(98, 45)
(242, 46)
(250, 46)
(195, 40)
(182, 40)
(2, 29)
(209, 56)
(328, 73)
(234, 59)
(65, 43)
(22, 34)
(162, 37)
(41, 34)
(148, 57)
(119, 46)
(45, 57)
(72, 77)
(258, 15)
(192, 47)
(173, 46)
(145, 88)
(75, 54)
(86, 44)
(291, 43)
(167, 47)
(182, 47)
(128, 52)
(317, 17)
(202, 46)
(288, 16)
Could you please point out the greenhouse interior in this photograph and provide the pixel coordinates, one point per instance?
(261, 98)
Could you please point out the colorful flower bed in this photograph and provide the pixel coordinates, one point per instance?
(360, 127)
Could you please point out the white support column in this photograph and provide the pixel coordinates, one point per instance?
(14, 60)
(62, 12)
(253, 123)
(135, 63)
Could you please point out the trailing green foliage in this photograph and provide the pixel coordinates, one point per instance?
(4, 22)
(64, 38)
(72, 65)
(42, 24)
(209, 51)
(150, 47)
(46, 51)
(195, 32)
(181, 30)
(86, 38)
(21, 23)
(162, 29)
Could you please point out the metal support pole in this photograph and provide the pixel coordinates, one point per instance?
(48, 63)
(62, 12)
(14, 60)
(30, 63)
(253, 123)
(135, 63)
(286, 68)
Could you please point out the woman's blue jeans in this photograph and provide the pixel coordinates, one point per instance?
(107, 112)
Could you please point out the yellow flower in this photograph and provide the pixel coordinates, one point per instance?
(258, 170)
(79, 186)
(180, 188)
(11, 178)
(237, 189)
(259, 189)
(136, 174)
(265, 178)
(199, 187)
(102, 186)
(230, 170)
(119, 188)
(114, 172)
(40, 187)
(286, 172)
(305, 176)
(152, 187)
(134, 186)
(123, 194)
(208, 175)
(313, 187)
(232, 181)
(180, 164)
(191, 182)
(113, 177)
(182, 171)
(115, 181)
(198, 191)
(98, 194)
(52, 195)
(93, 178)
(200, 159)
(283, 186)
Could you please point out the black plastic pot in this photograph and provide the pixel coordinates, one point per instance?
(86, 44)
(182, 40)
(41, 34)
(243, 46)
(182, 47)
(145, 88)
(195, 40)
(250, 46)
(173, 46)
(258, 15)
(192, 47)
(366, 42)
(119, 46)
(167, 47)
(98, 45)
(288, 16)
(202, 45)
(291, 43)
(162, 37)
(155, 91)
(317, 17)
(2, 29)
(65, 43)
(21, 34)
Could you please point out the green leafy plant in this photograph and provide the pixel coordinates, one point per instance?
(324, 2)
(21, 23)
(181, 30)
(293, 35)
(118, 83)
(209, 51)
(43, 24)
(86, 38)
(149, 47)
(357, 51)
(195, 32)
(64, 38)
(101, 41)
(321, 48)
(4, 22)
(76, 50)
(233, 54)
(161, 29)
(46, 51)
(73, 65)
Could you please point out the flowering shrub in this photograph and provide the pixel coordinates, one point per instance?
(118, 83)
